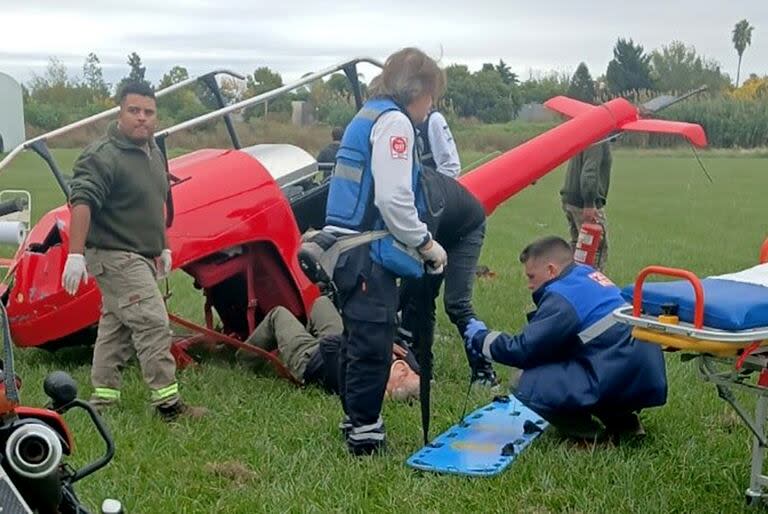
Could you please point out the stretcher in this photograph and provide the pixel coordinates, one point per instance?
(722, 323)
(484, 443)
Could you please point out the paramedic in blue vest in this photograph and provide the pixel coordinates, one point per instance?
(576, 366)
(376, 186)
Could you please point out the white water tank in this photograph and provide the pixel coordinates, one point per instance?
(11, 114)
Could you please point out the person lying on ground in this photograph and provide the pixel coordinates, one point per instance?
(311, 353)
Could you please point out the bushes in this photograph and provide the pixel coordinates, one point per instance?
(337, 112)
(729, 122)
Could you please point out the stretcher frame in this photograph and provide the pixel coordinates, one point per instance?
(727, 359)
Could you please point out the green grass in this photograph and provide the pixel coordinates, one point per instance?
(696, 456)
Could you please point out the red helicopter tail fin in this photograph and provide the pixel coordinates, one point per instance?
(568, 106)
(692, 132)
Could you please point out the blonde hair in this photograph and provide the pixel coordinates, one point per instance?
(407, 75)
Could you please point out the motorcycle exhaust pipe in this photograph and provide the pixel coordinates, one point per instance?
(34, 451)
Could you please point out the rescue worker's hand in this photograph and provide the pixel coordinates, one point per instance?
(434, 255)
(434, 271)
(474, 344)
(589, 215)
(74, 273)
(164, 264)
(473, 327)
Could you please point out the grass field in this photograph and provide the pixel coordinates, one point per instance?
(284, 440)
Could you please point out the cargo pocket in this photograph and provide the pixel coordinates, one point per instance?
(94, 269)
(142, 309)
(371, 290)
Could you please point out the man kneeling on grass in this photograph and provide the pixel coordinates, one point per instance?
(575, 363)
(311, 353)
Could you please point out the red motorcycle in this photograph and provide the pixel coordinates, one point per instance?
(34, 444)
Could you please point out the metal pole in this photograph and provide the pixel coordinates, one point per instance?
(265, 97)
(757, 479)
(101, 115)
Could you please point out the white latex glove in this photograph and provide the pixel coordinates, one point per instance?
(164, 264)
(431, 270)
(434, 255)
(74, 273)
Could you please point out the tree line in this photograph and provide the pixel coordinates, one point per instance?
(492, 94)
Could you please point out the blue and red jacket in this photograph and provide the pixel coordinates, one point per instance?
(574, 355)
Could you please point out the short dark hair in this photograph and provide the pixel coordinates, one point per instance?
(552, 247)
(135, 87)
(337, 133)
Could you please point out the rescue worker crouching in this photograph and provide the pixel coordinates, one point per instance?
(574, 360)
(118, 194)
(376, 186)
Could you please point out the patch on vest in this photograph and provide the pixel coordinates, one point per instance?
(601, 279)
(398, 147)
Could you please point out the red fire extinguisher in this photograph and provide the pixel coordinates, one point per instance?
(764, 252)
(590, 237)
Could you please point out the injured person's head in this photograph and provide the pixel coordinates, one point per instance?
(403, 384)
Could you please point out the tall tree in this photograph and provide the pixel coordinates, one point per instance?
(174, 76)
(54, 99)
(678, 68)
(339, 84)
(507, 76)
(629, 70)
(93, 77)
(137, 70)
(742, 38)
(263, 80)
(482, 94)
(544, 86)
(582, 86)
(136, 74)
(232, 89)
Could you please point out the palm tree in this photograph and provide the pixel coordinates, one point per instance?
(742, 38)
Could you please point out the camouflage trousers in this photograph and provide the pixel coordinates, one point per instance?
(133, 321)
(574, 216)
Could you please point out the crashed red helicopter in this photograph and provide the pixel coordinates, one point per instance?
(238, 215)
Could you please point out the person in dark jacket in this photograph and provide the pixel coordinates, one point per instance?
(457, 220)
(328, 154)
(311, 353)
(575, 362)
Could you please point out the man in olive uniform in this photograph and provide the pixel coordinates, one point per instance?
(585, 192)
(117, 202)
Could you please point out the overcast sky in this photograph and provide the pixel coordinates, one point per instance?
(294, 37)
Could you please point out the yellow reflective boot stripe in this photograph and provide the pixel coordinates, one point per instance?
(107, 393)
(165, 392)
